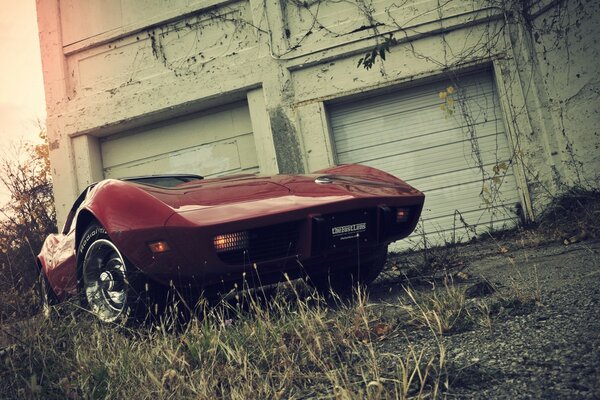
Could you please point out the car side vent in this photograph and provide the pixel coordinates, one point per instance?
(263, 244)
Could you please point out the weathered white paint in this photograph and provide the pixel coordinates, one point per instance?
(507, 95)
(86, 24)
(61, 155)
(81, 20)
(345, 22)
(88, 160)
(263, 138)
(117, 66)
(315, 125)
(567, 90)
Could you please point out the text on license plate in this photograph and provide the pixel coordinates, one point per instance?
(349, 230)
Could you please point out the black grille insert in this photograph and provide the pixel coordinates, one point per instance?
(267, 243)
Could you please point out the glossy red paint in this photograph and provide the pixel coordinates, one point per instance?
(190, 215)
(57, 260)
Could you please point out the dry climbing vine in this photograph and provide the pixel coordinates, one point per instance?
(498, 22)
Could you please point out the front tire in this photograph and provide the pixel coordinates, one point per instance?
(111, 288)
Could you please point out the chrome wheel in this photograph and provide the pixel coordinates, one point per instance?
(105, 282)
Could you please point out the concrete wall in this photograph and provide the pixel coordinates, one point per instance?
(566, 48)
(111, 66)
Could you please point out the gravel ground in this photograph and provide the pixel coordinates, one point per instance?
(548, 349)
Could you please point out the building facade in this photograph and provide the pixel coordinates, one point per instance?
(489, 107)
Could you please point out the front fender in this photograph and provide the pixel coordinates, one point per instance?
(131, 216)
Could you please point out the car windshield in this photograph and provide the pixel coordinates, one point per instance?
(167, 181)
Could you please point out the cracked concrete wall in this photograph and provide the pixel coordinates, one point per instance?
(550, 77)
(116, 65)
(566, 41)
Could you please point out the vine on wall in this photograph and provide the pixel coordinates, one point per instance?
(501, 24)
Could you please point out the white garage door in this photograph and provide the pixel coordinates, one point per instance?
(216, 143)
(446, 139)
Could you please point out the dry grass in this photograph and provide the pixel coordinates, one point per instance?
(19, 295)
(287, 344)
(572, 216)
(288, 347)
(442, 311)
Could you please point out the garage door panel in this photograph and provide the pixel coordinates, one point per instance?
(408, 135)
(247, 153)
(445, 201)
(117, 149)
(406, 126)
(415, 99)
(411, 124)
(450, 228)
(428, 109)
(460, 177)
(209, 144)
(422, 165)
(206, 160)
(500, 217)
(432, 144)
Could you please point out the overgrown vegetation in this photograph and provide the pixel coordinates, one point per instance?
(25, 221)
(289, 347)
(287, 344)
(442, 311)
(573, 216)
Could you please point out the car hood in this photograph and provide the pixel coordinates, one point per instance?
(253, 189)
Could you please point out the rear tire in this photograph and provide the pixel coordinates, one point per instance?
(47, 296)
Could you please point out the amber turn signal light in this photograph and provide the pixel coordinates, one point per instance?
(402, 215)
(159, 247)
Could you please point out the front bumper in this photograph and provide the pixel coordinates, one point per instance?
(286, 242)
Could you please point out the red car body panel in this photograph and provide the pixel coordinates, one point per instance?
(190, 215)
(57, 261)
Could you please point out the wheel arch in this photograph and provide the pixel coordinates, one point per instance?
(84, 219)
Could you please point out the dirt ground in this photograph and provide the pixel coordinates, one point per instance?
(546, 348)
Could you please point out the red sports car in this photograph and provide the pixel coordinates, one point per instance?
(125, 236)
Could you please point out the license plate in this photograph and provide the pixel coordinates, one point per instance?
(346, 229)
(345, 232)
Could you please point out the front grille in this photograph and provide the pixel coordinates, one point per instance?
(267, 243)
